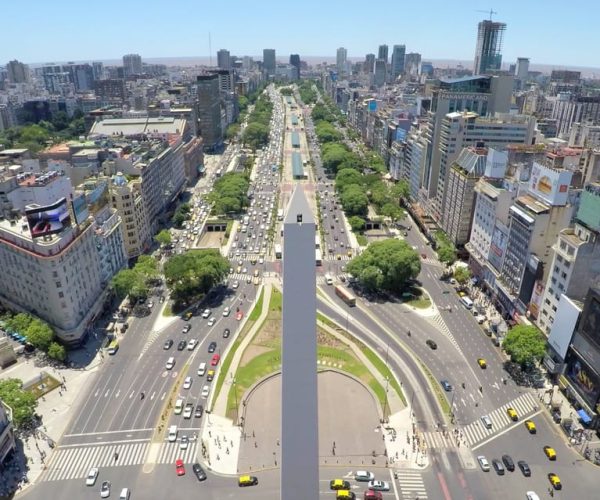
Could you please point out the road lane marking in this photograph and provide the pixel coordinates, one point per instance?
(510, 428)
(152, 397)
(131, 395)
(117, 394)
(394, 485)
(106, 393)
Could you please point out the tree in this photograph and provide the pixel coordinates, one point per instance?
(255, 135)
(19, 323)
(447, 254)
(462, 274)
(232, 131)
(401, 190)
(128, 282)
(392, 211)
(355, 200)
(57, 351)
(163, 238)
(243, 103)
(39, 334)
(23, 403)
(347, 176)
(356, 223)
(525, 344)
(326, 132)
(395, 260)
(230, 193)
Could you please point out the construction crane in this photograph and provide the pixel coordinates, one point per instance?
(490, 12)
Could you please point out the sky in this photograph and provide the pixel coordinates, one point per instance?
(547, 31)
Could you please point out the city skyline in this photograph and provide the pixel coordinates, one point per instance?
(421, 33)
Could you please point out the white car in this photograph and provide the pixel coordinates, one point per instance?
(105, 489)
(211, 321)
(184, 443)
(364, 475)
(205, 391)
(206, 313)
(379, 485)
(235, 284)
(90, 480)
(483, 463)
(192, 344)
(187, 383)
(226, 311)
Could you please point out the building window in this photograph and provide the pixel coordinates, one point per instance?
(58, 284)
(559, 258)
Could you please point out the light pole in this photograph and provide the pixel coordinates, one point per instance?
(237, 417)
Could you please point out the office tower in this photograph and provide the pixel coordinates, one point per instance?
(132, 64)
(412, 64)
(209, 110)
(383, 53)
(341, 60)
(369, 64)
(269, 61)
(299, 402)
(295, 62)
(380, 73)
(223, 59)
(522, 70)
(488, 53)
(98, 70)
(110, 90)
(398, 54)
(17, 72)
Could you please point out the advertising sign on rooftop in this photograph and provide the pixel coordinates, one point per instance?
(49, 219)
(550, 185)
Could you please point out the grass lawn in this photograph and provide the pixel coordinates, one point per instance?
(362, 240)
(167, 311)
(422, 303)
(255, 314)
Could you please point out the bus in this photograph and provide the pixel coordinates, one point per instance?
(345, 295)
(280, 214)
(467, 302)
(317, 241)
(318, 257)
(113, 347)
(277, 251)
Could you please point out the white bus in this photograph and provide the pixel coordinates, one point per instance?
(277, 251)
(467, 302)
(318, 257)
(317, 241)
(280, 214)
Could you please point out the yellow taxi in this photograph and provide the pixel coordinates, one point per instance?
(187, 316)
(555, 481)
(349, 253)
(550, 452)
(345, 495)
(338, 257)
(247, 480)
(339, 484)
(210, 374)
(512, 414)
(482, 363)
(530, 425)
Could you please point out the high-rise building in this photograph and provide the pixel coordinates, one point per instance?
(398, 54)
(341, 60)
(380, 73)
(98, 70)
(295, 62)
(132, 64)
(110, 90)
(383, 53)
(522, 71)
(209, 110)
(412, 64)
(369, 64)
(223, 59)
(269, 61)
(7, 433)
(488, 53)
(17, 72)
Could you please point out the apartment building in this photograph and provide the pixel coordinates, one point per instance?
(7, 435)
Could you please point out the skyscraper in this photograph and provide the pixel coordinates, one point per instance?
(383, 53)
(398, 54)
(341, 59)
(209, 110)
(412, 64)
(132, 64)
(295, 62)
(488, 54)
(17, 72)
(369, 63)
(380, 72)
(269, 61)
(223, 59)
(522, 71)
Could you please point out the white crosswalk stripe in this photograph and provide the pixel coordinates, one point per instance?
(73, 462)
(411, 485)
(440, 324)
(333, 257)
(432, 262)
(439, 440)
(523, 405)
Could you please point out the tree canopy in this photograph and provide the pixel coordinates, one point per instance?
(23, 403)
(386, 265)
(525, 344)
(38, 333)
(182, 214)
(355, 200)
(446, 251)
(135, 282)
(462, 274)
(163, 238)
(230, 193)
(326, 132)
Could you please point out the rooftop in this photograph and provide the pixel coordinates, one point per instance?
(161, 125)
(532, 204)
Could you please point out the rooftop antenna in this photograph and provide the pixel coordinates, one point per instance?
(490, 12)
(209, 49)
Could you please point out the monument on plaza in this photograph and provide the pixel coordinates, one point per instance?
(299, 410)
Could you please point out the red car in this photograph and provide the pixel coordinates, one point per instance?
(215, 360)
(179, 468)
(239, 315)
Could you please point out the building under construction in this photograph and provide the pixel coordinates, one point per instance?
(488, 55)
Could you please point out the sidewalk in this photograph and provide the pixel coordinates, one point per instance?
(55, 408)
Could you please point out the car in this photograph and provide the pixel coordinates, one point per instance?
(212, 321)
(186, 328)
(168, 344)
(187, 316)
(199, 411)
(124, 495)
(202, 369)
(446, 385)
(498, 467)
(508, 462)
(212, 347)
(181, 345)
(249, 280)
(239, 315)
(555, 481)
(247, 480)
(206, 313)
(379, 485)
(524, 468)
(482, 363)
(339, 484)
(235, 285)
(199, 472)
(550, 452)
(184, 443)
(179, 467)
(431, 344)
(210, 375)
(245, 270)
(105, 489)
(487, 421)
(512, 414)
(372, 495)
(239, 269)
(530, 426)
(226, 333)
(170, 363)
(226, 311)
(532, 495)
(191, 345)
(90, 480)
(187, 383)
(483, 463)
(205, 391)
(364, 476)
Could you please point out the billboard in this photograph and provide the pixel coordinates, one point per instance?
(372, 105)
(563, 327)
(590, 322)
(585, 380)
(400, 134)
(536, 299)
(498, 245)
(80, 210)
(549, 184)
(50, 219)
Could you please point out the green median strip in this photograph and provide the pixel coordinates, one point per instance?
(437, 389)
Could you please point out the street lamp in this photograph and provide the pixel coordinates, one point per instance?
(236, 401)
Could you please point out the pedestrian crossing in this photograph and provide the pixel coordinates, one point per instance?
(411, 485)
(432, 262)
(439, 439)
(334, 257)
(476, 432)
(75, 462)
